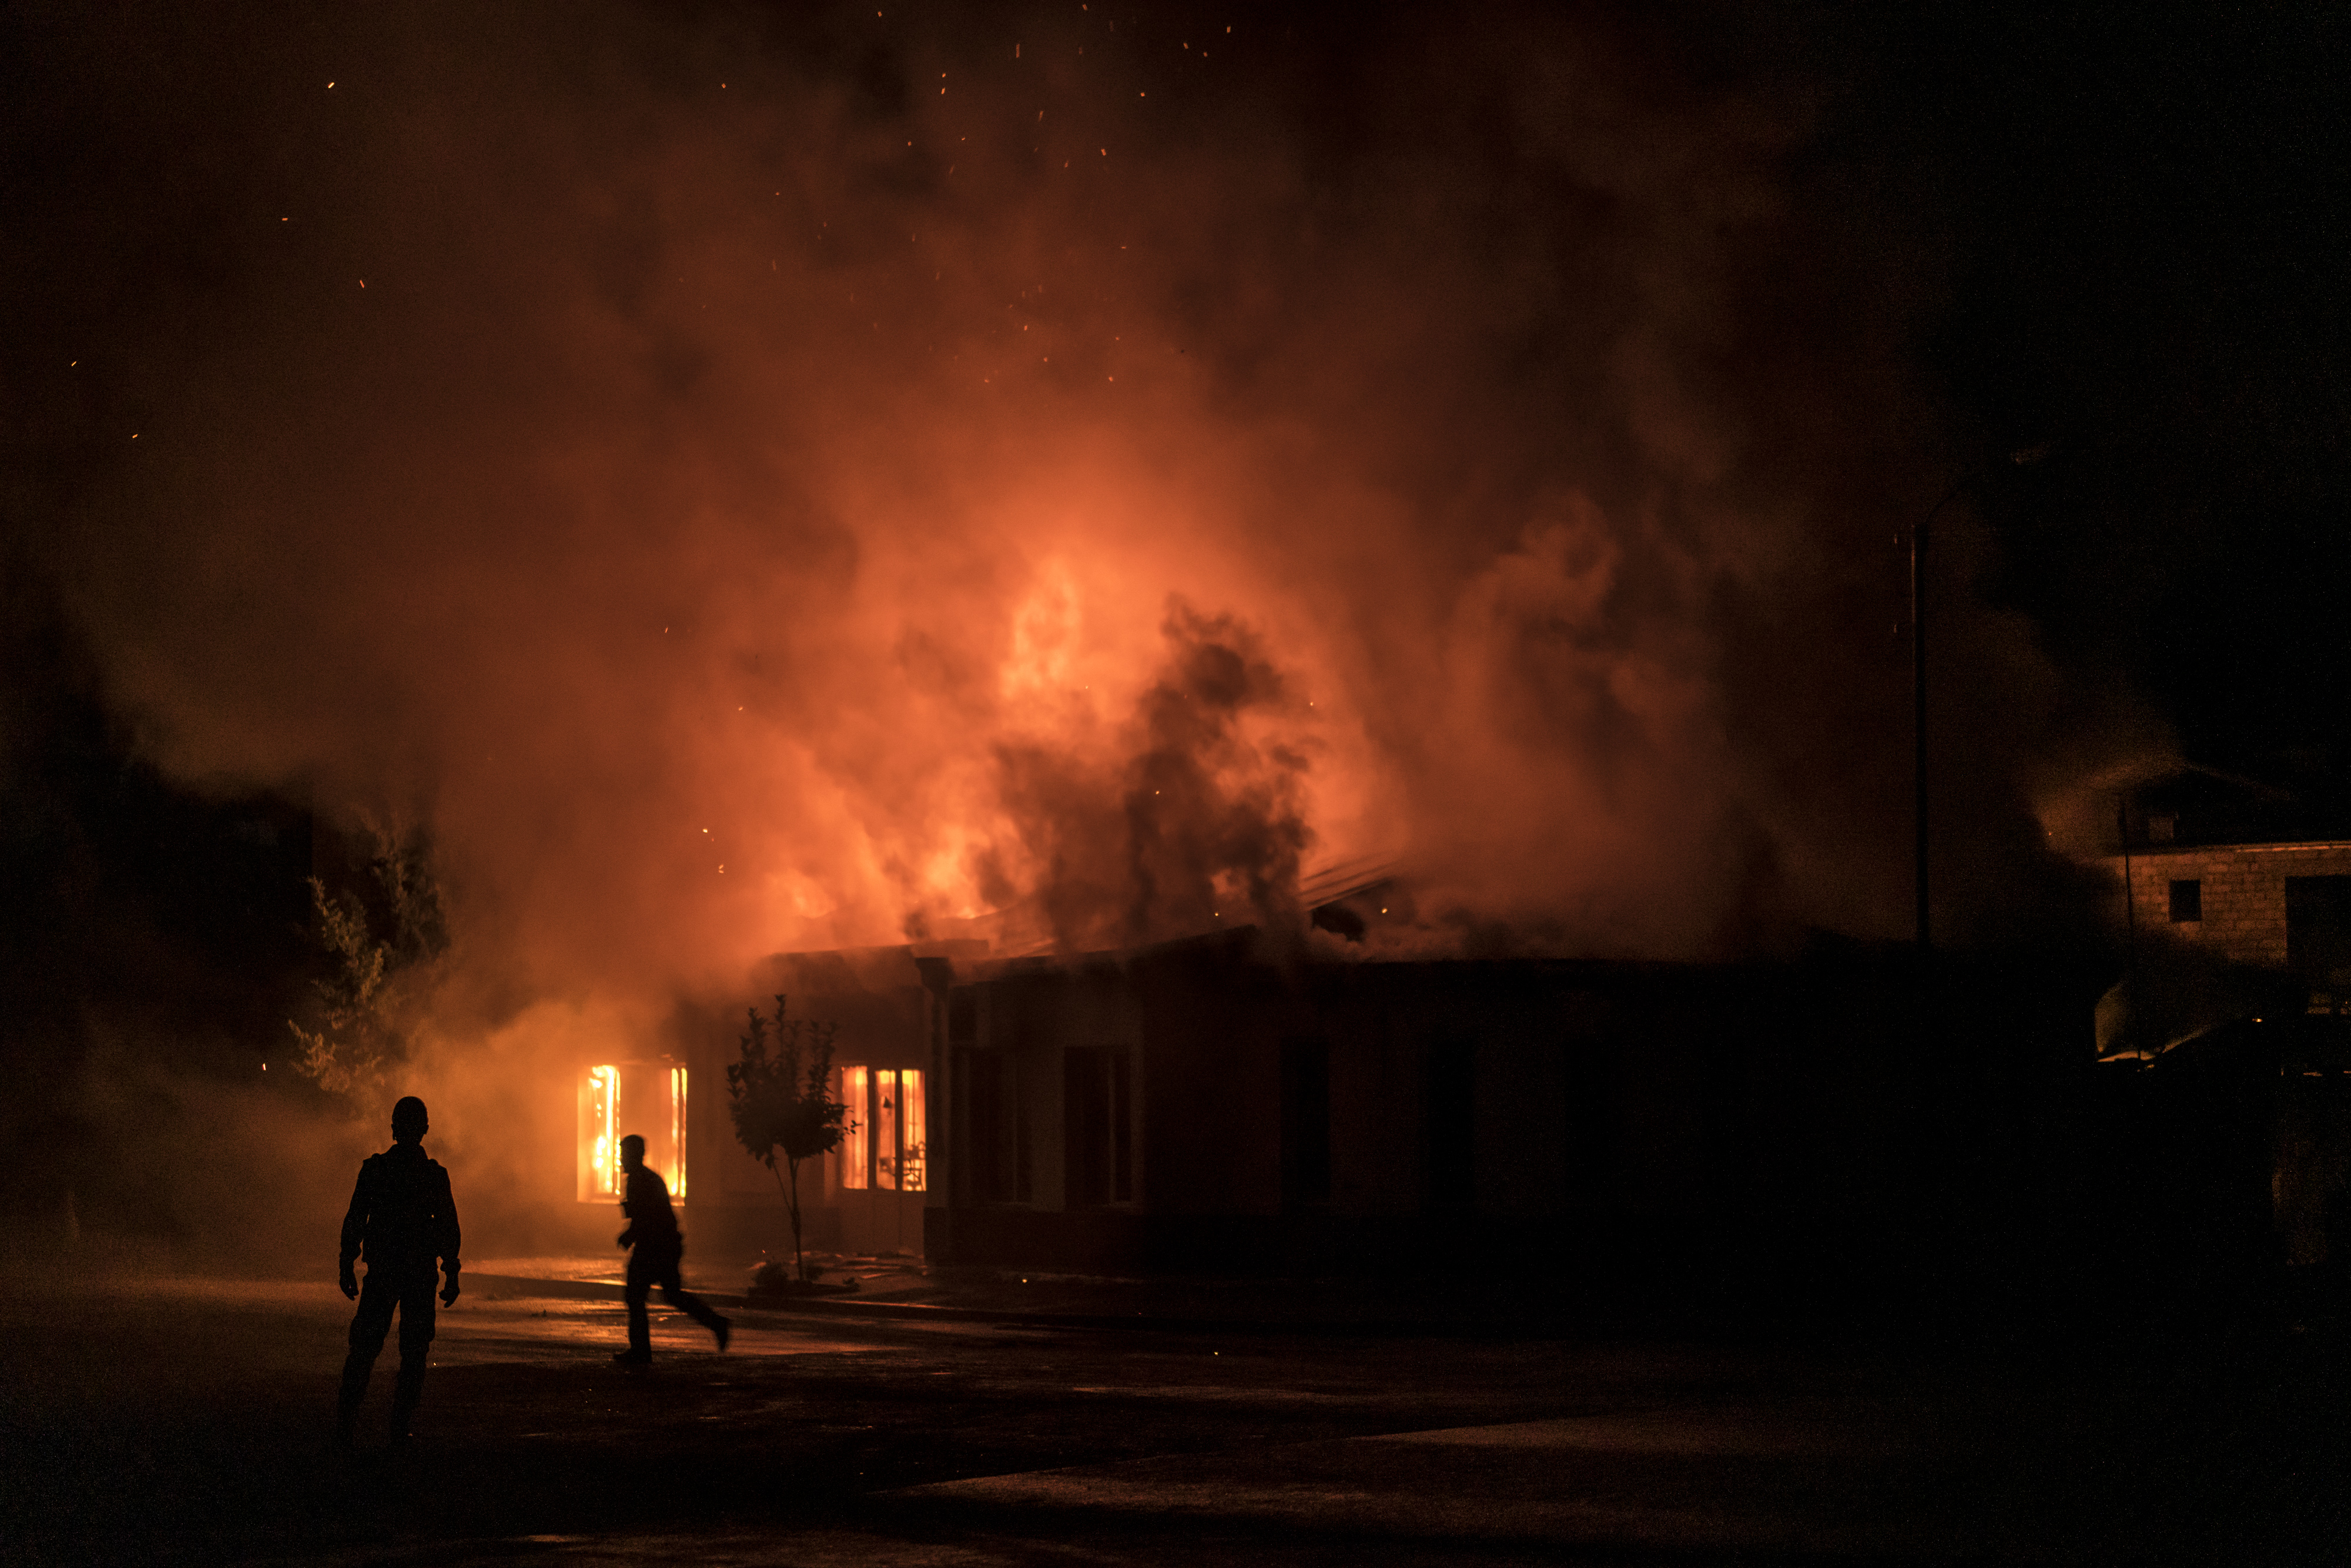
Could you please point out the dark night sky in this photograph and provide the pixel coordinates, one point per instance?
(1874, 248)
(2150, 214)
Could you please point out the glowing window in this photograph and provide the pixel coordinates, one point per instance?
(885, 1129)
(853, 1145)
(600, 1136)
(912, 1166)
(677, 1133)
(656, 1111)
(885, 1144)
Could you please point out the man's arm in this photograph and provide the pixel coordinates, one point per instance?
(355, 1220)
(447, 1242)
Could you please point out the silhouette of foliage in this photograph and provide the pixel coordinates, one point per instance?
(381, 952)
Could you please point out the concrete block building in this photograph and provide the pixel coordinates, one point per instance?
(2273, 905)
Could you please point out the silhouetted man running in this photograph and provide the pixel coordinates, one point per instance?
(653, 1231)
(404, 1221)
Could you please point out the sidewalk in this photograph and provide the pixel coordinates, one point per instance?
(901, 1288)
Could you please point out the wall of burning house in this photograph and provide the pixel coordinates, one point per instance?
(1817, 1131)
(1632, 1125)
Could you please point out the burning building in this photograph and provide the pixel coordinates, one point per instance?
(1215, 1105)
(804, 481)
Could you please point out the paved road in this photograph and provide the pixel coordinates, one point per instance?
(187, 1421)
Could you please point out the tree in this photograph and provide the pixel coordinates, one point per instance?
(783, 1104)
(381, 948)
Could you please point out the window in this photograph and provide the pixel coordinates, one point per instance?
(898, 1130)
(644, 1098)
(996, 1140)
(2186, 901)
(600, 1133)
(855, 1159)
(2163, 828)
(1097, 1112)
(677, 1133)
(884, 1143)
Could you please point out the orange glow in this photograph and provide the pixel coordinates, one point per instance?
(1065, 560)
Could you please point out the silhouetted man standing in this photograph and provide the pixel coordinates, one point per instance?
(653, 1231)
(404, 1221)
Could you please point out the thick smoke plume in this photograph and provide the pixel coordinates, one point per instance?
(1200, 820)
(732, 476)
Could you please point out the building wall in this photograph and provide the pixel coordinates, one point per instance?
(1633, 1120)
(2242, 891)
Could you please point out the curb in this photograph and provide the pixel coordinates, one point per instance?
(920, 1311)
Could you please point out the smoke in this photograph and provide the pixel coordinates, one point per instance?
(1199, 820)
(730, 473)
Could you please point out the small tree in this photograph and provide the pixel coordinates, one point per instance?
(784, 1104)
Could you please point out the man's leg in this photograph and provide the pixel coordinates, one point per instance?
(675, 1292)
(416, 1324)
(373, 1322)
(640, 1331)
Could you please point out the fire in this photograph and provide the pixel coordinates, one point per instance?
(661, 1089)
(600, 1115)
(725, 483)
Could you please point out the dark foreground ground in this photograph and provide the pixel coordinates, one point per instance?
(147, 1420)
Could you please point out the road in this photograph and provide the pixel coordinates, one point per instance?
(189, 1421)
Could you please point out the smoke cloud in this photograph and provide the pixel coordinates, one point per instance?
(756, 482)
